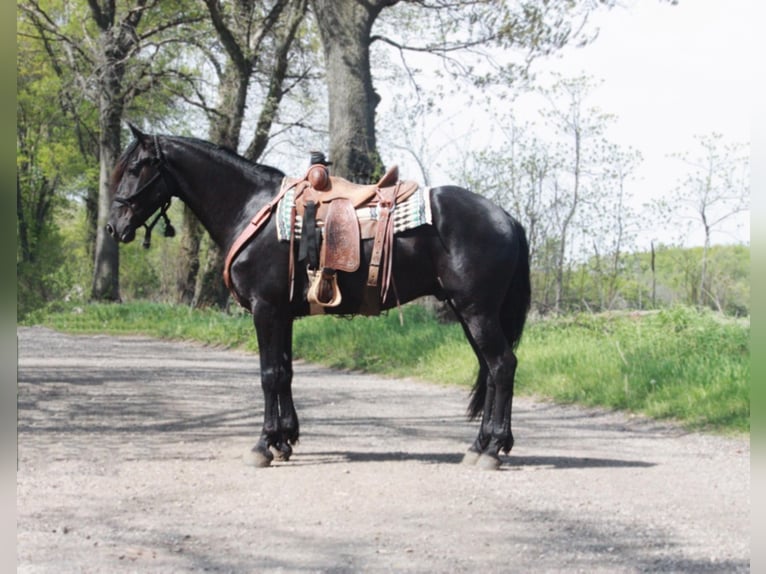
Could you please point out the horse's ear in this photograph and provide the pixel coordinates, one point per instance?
(137, 133)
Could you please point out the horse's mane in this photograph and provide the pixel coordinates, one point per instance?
(228, 155)
(221, 153)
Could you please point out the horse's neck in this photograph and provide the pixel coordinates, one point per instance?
(221, 194)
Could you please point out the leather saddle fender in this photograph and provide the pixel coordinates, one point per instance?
(342, 237)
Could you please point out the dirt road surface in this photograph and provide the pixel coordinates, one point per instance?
(130, 459)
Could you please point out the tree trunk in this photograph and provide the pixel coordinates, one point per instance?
(275, 91)
(345, 27)
(211, 290)
(106, 267)
(106, 277)
(232, 91)
(117, 40)
(188, 264)
(703, 290)
(654, 278)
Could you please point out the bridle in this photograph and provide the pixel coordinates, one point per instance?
(158, 161)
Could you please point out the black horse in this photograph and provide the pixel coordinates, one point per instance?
(473, 255)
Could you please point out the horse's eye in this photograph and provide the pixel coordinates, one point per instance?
(135, 167)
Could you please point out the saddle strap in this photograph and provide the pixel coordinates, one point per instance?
(382, 248)
(291, 258)
(254, 226)
(308, 250)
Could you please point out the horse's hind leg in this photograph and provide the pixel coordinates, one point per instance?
(482, 396)
(280, 421)
(485, 429)
(497, 362)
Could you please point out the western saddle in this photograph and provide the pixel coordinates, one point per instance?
(331, 232)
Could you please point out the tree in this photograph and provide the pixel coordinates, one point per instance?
(516, 174)
(716, 189)
(47, 155)
(579, 151)
(108, 52)
(255, 42)
(56, 143)
(612, 223)
(566, 184)
(446, 29)
(345, 27)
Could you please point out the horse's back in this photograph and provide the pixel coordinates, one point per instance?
(482, 244)
(471, 222)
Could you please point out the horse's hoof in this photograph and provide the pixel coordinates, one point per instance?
(282, 452)
(470, 457)
(258, 458)
(488, 462)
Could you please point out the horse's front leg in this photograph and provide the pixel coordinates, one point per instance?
(288, 418)
(280, 421)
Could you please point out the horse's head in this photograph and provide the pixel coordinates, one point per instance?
(139, 187)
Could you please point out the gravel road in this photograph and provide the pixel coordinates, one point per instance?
(130, 459)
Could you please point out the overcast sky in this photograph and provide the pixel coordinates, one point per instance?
(669, 73)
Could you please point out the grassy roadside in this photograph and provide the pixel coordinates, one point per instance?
(681, 364)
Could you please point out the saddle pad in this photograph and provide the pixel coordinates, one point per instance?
(412, 212)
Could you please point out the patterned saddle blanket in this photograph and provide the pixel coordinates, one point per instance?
(411, 213)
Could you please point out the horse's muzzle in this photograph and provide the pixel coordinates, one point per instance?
(128, 234)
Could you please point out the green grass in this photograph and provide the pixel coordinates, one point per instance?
(679, 364)
(422, 348)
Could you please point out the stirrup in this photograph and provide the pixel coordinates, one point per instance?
(324, 290)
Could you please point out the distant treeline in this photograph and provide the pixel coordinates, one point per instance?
(654, 280)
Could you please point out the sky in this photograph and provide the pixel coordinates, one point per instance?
(669, 73)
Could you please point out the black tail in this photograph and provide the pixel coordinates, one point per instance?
(513, 314)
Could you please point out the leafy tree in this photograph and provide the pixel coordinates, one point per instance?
(580, 152)
(677, 276)
(729, 279)
(566, 183)
(611, 224)
(716, 189)
(106, 56)
(256, 46)
(52, 166)
(516, 174)
(457, 32)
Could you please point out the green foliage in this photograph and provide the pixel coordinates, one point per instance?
(678, 272)
(52, 172)
(675, 281)
(151, 274)
(680, 363)
(59, 46)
